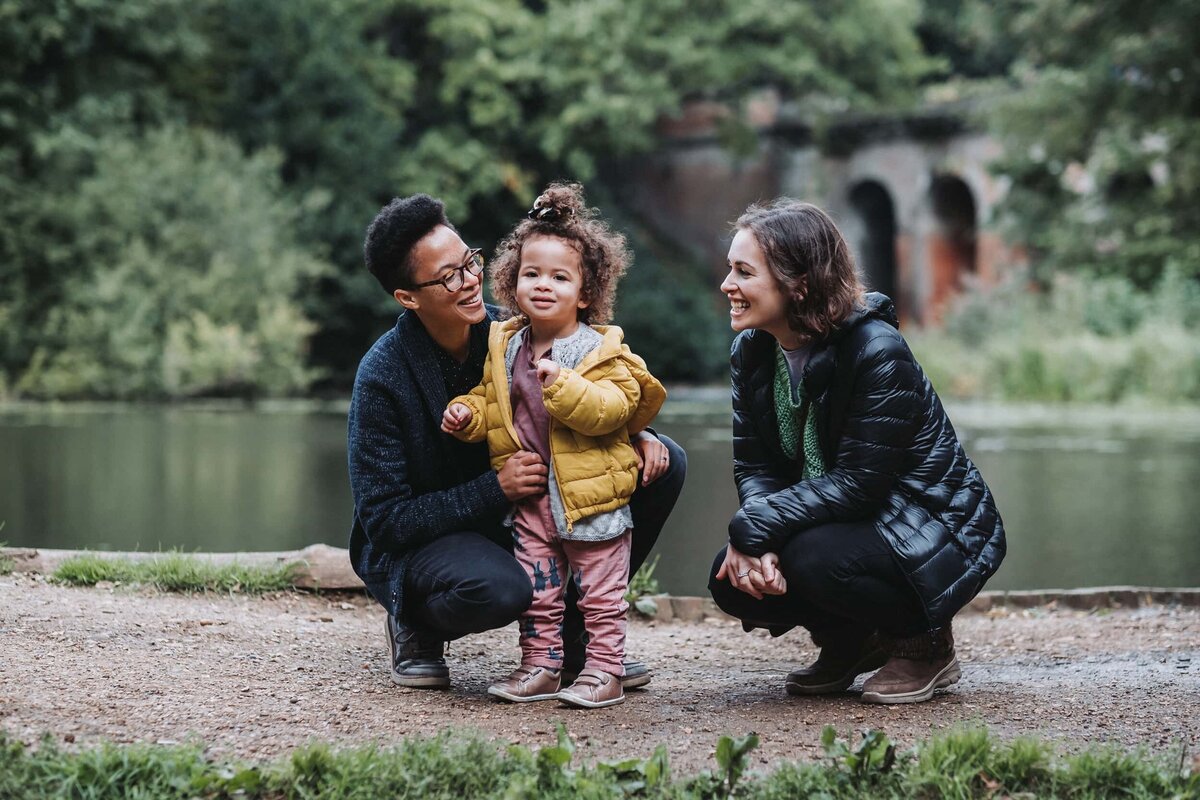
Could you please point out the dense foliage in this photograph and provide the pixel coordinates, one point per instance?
(184, 187)
(1103, 135)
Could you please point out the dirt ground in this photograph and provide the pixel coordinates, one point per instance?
(254, 678)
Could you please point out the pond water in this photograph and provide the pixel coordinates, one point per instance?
(1088, 499)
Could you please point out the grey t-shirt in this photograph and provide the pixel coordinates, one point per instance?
(796, 361)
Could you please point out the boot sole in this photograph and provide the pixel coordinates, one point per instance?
(425, 682)
(516, 698)
(870, 664)
(948, 676)
(579, 702)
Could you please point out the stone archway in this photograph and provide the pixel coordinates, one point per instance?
(873, 237)
(953, 245)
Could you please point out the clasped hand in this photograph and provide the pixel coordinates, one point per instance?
(754, 576)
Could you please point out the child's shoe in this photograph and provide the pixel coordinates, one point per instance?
(528, 683)
(593, 689)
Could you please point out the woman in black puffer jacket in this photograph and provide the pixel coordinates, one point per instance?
(861, 517)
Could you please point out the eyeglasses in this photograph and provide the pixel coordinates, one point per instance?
(455, 278)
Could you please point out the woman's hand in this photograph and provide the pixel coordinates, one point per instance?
(744, 573)
(773, 580)
(653, 458)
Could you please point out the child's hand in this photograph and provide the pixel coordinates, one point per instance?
(547, 371)
(456, 417)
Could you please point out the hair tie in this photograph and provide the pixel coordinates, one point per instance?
(544, 211)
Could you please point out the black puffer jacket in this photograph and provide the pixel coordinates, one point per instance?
(891, 456)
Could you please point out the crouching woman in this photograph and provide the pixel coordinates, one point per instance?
(862, 519)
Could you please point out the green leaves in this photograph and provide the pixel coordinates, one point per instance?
(872, 757)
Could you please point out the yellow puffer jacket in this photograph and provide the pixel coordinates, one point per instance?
(593, 410)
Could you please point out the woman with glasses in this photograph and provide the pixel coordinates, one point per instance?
(428, 539)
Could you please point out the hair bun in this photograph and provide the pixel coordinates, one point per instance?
(544, 210)
(557, 203)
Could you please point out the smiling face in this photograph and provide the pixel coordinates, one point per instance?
(438, 253)
(549, 287)
(756, 299)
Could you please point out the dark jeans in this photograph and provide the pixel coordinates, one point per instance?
(838, 576)
(466, 583)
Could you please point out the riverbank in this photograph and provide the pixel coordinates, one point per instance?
(257, 677)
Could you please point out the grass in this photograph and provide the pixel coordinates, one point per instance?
(641, 587)
(175, 572)
(7, 565)
(964, 763)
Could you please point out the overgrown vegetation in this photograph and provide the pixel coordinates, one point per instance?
(176, 572)
(1102, 135)
(966, 764)
(184, 187)
(1082, 338)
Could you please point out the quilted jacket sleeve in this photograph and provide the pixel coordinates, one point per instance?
(393, 516)
(594, 407)
(752, 469)
(875, 449)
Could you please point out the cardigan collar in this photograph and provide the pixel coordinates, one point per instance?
(420, 349)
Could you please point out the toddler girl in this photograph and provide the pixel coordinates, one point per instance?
(559, 384)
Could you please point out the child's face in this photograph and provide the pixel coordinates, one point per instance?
(550, 283)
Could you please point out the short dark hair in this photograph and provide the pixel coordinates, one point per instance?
(811, 260)
(392, 234)
(603, 252)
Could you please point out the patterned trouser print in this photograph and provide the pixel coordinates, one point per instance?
(601, 570)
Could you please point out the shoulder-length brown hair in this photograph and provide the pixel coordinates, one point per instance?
(807, 254)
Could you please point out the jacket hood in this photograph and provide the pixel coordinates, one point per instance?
(875, 305)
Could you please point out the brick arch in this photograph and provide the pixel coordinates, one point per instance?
(872, 236)
(952, 246)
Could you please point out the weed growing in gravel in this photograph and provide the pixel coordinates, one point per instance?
(176, 572)
(965, 764)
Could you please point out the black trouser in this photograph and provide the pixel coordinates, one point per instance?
(466, 583)
(838, 576)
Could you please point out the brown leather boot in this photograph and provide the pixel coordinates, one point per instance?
(917, 667)
(593, 688)
(526, 684)
(845, 654)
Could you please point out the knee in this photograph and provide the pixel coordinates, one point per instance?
(496, 601)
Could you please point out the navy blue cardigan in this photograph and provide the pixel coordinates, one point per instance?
(411, 482)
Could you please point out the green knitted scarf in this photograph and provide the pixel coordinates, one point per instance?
(787, 412)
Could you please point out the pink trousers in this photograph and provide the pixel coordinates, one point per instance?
(601, 573)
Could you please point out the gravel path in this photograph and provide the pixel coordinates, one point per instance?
(253, 678)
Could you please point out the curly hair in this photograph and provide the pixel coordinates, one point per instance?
(392, 234)
(560, 212)
(809, 257)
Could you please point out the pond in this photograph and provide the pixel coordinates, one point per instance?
(1088, 497)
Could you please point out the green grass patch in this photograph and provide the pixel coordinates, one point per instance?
(965, 764)
(7, 565)
(176, 572)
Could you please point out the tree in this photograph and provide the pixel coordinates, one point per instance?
(1103, 136)
(188, 271)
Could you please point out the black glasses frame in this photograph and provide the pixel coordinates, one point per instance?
(455, 278)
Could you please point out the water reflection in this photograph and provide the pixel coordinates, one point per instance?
(1089, 506)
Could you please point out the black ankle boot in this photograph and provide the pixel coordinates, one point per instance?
(845, 654)
(417, 657)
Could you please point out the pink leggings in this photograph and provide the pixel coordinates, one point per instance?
(599, 569)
